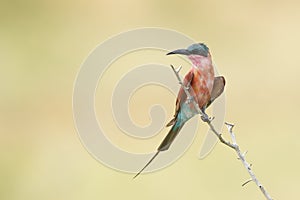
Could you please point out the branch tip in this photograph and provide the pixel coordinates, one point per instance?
(178, 69)
(229, 126)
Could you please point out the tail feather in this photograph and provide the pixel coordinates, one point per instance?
(172, 122)
(165, 143)
(146, 164)
(170, 136)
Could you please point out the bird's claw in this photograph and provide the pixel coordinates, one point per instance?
(206, 118)
(188, 86)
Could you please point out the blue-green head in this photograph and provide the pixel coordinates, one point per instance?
(195, 49)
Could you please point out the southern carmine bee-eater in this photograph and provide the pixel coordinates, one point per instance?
(203, 86)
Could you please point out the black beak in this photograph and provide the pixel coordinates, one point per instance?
(180, 51)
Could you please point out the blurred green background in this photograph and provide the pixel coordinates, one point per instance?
(43, 43)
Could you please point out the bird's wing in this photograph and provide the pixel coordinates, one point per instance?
(181, 97)
(218, 88)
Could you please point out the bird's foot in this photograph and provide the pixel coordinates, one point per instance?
(188, 86)
(205, 118)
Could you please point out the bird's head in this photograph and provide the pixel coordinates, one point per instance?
(197, 53)
(195, 49)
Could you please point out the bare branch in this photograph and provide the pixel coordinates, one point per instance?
(246, 164)
(205, 118)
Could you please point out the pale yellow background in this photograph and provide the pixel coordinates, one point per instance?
(42, 45)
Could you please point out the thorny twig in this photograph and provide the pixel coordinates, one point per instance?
(232, 145)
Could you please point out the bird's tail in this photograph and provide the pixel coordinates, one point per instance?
(165, 143)
(146, 164)
(168, 140)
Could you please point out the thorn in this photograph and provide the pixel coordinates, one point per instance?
(229, 126)
(245, 153)
(246, 182)
(178, 69)
(173, 68)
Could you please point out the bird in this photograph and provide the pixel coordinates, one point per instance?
(203, 86)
